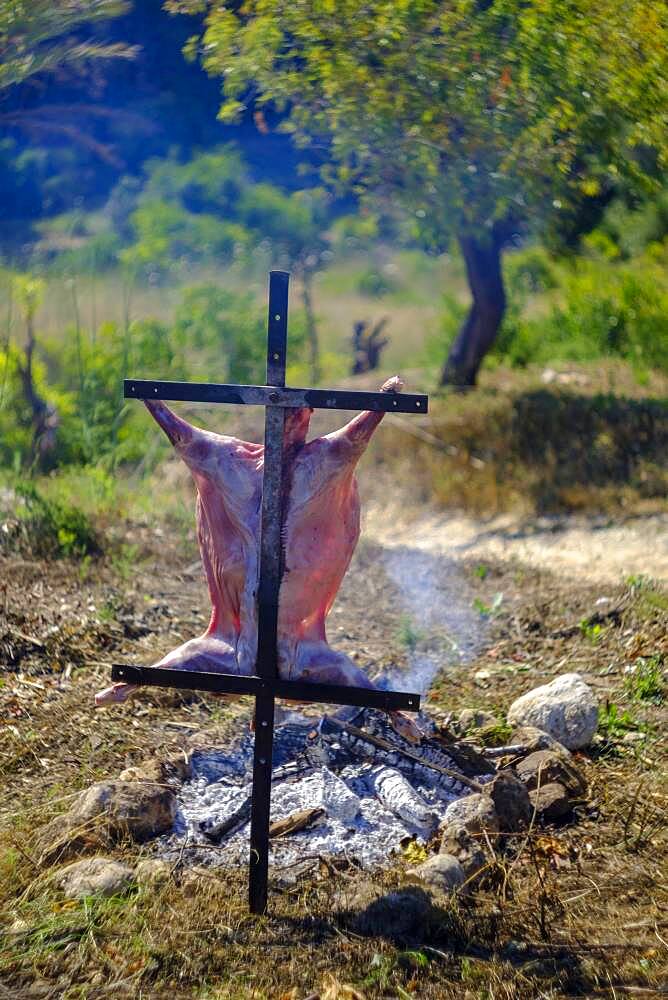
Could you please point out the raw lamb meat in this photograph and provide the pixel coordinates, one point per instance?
(320, 531)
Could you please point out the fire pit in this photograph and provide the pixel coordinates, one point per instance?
(347, 784)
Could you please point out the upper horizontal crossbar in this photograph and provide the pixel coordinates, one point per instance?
(269, 395)
(330, 694)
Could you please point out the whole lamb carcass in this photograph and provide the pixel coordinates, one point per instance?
(321, 524)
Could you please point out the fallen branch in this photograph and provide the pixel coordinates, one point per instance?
(382, 744)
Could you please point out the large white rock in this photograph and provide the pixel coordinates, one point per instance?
(565, 708)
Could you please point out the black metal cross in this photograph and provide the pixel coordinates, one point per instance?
(266, 685)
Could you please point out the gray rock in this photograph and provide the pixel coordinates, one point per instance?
(511, 801)
(151, 872)
(565, 708)
(544, 767)
(101, 876)
(105, 813)
(551, 802)
(147, 770)
(535, 739)
(138, 809)
(441, 872)
(458, 842)
(174, 768)
(476, 813)
(401, 914)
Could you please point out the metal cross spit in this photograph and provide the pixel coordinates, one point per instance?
(266, 685)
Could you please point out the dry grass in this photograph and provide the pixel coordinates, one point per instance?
(575, 911)
(595, 441)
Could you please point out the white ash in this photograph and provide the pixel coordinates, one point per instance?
(369, 811)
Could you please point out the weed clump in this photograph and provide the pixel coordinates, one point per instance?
(643, 680)
(48, 528)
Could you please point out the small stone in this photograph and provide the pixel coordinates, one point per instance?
(458, 842)
(138, 809)
(147, 770)
(511, 802)
(565, 708)
(634, 737)
(551, 802)
(94, 876)
(544, 767)
(470, 718)
(152, 872)
(441, 872)
(476, 813)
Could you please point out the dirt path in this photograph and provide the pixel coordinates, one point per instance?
(596, 549)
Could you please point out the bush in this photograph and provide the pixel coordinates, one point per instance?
(49, 528)
(167, 236)
(613, 310)
(374, 283)
(528, 271)
(226, 329)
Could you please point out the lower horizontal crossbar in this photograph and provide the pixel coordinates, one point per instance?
(330, 694)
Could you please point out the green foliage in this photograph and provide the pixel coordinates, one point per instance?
(168, 236)
(209, 209)
(213, 328)
(614, 722)
(355, 232)
(36, 36)
(528, 271)
(603, 309)
(590, 631)
(408, 635)
(15, 416)
(224, 327)
(489, 610)
(88, 368)
(50, 528)
(643, 681)
(374, 283)
(629, 230)
(467, 112)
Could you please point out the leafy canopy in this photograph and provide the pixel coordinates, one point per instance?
(473, 111)
(36, 36)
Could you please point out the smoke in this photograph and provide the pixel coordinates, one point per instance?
(440, 629)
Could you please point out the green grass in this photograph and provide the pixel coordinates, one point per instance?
(644, 679)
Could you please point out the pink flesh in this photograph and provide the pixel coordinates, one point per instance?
(321, 529)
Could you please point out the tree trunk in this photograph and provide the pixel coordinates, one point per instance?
(44, 415)
(479, 330)
(311, 328)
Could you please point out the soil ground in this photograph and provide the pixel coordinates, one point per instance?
(580, 910)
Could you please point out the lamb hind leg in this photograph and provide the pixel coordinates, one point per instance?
(208, 654)
(318, 663)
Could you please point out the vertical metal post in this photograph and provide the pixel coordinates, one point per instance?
(270, 580)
